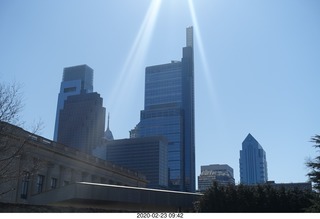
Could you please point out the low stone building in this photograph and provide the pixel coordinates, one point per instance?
(31, 165)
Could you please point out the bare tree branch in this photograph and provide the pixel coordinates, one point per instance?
(12, 140)
(10, 102)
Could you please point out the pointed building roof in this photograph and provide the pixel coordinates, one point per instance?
(108, 134)
(250, 139)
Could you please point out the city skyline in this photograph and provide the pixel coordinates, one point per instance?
(257, 65)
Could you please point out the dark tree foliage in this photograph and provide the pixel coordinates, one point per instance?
(314, 165)
(261, 198)
(314, 175)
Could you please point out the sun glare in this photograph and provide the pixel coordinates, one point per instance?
(201, 48)
(133, 68)
(133, 65)
(203, 57)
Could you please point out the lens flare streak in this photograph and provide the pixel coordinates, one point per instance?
(203, 58)
(126, 81)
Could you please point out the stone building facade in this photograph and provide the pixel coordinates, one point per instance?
(31, 164)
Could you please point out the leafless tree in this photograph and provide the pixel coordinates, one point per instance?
(11, 148)
(10, 102)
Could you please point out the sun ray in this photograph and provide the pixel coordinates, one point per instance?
(212, 96)
(206, 70)
(126, 81)
(203, 56)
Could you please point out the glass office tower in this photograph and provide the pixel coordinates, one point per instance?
(169, 111)
(253, 162)
(145, 155)
(82, 122)
(80, 118)
(76, 80)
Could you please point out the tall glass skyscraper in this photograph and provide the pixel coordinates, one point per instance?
(82, 121)
(80, 118)
(253, 162)
(76, 80)
(169, 111)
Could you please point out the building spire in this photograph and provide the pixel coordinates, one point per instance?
(189, 36)
(108, 134)
(108, 121)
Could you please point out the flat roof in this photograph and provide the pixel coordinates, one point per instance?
(116, 197)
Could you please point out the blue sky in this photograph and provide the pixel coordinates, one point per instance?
(257, 67)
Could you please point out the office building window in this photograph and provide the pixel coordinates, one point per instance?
(69, 89)
(53, 183)
(40, 183)
(25, 185)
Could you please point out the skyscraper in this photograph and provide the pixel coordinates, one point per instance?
(169, 112)
(253, 162)
(76, 80)
(80, 117)
(82, 122)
